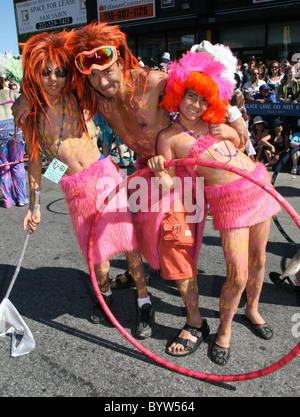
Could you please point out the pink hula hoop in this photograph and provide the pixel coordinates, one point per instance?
(188, 372)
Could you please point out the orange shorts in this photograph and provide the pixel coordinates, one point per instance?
(175, 240)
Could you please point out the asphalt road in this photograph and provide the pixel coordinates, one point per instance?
(75, 358)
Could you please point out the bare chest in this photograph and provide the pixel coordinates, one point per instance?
(137, 121)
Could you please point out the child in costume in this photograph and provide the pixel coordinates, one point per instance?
(56, 127)
(241, 210)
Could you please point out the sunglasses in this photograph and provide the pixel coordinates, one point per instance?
(99, 58)
(274, 67)
(59, 73)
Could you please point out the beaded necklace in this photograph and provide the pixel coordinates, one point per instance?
(61, 132)
(200, 137)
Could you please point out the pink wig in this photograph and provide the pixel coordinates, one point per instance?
(183, 71)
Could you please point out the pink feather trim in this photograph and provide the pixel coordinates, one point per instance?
(200, 62)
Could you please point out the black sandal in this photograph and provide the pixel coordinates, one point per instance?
(264, 330)
(219, 354)
(200, 333)
(120, 285)
(97, 314)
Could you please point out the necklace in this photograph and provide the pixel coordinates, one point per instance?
(61, 132)
(200, 137)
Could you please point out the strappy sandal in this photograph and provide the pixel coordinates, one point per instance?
(264, 330)
(119, 284)
(219, 354)
(190, 347)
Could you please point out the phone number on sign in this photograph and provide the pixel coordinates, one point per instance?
(53, 23)
(131, 13)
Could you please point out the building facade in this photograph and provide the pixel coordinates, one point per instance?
(265, 28)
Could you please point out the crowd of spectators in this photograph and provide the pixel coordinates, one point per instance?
(271, 82)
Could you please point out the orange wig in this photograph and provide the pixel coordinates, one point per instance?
(92, 36)
(204, 86)
(39, 49)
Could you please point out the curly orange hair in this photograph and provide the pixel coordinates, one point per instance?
(204, 86)
(92, 36)
(39, 49)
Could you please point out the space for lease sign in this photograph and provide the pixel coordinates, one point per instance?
(36, 15)
(114, 11)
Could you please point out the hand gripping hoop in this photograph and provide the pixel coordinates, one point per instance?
(198, 375)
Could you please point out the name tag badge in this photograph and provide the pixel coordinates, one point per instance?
(55, 171)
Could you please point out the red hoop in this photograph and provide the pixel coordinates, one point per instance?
(198, 375)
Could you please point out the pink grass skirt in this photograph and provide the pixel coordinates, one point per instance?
(85, 192)
(241, 203)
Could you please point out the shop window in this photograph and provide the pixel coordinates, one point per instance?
(179, 44)
(277, 30)
(150, 49)
(243, 37)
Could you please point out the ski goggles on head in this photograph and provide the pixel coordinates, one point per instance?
(99, 58)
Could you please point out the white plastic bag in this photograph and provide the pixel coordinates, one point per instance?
(11, 322)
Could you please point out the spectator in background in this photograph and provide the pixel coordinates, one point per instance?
(262, 69)
(12, 148)
(274, 77)
(264, 96)
(140, 61)
(251, 87)
(297, 69)
(296, 156)
(251, 63)
(274, 145)
(238, 100)
(240, 70)
(289, 92)
(258, 131)
(284, 63)
(163, 67)
(166, 58)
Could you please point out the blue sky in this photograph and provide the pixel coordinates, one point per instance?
(8, 30)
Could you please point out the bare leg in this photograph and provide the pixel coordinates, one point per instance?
(257, 257)
(235, 248)
(188, 289)
(102, 275)
(97, 314)
(136, 269)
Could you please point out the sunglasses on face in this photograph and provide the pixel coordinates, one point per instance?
(59, 73)
(98, 58)
(274, 67)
